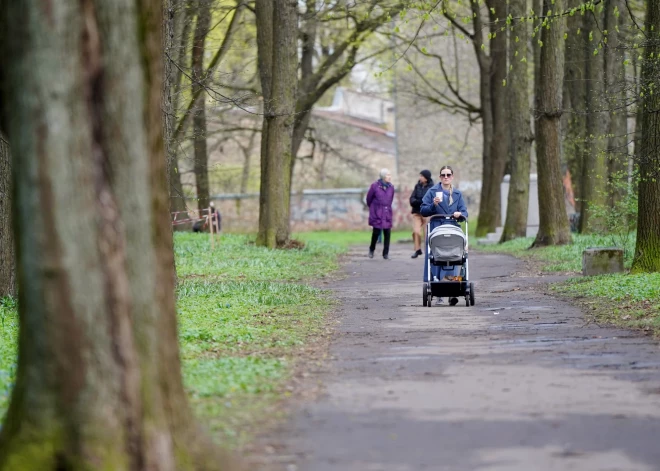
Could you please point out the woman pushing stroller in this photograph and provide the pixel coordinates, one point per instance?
(443, 198)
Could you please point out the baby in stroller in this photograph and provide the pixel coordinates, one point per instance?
(444, 199)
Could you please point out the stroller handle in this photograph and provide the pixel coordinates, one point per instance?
(447, 216)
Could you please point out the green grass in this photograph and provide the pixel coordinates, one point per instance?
(8, 347)
(237, 258)
(246, 317)
(244, 313)
(345, 239)
(627, 300)
(616, 287)
(562, 258)
(631, 301)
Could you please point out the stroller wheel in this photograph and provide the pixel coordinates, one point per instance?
(471, 294)
(467, 301)
(425, 298)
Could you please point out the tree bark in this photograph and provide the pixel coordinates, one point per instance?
(499, 143)
(245, 174)
(594, 171)
(485, 221)
(615, 86)
(647, 251)
(575, 98)
(537, 7)
(7, 249)
(307, 87)
(180, 37)
(520, 131)
(264, 20)
(553, 223)
(200, 160)
(98, 381)
(277, 47)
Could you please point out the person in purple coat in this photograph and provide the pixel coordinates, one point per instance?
(379, 200)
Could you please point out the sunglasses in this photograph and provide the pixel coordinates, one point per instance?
(446, 175)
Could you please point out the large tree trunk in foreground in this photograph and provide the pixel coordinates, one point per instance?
(553, 224)
(201, 159)
(7, 252)
(98, 382)
(594, 171)
(647, 251)
(277, 34)
(519, 127)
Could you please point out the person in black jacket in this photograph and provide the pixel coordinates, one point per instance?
(418, 221)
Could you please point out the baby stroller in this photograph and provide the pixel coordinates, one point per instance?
(446, 251)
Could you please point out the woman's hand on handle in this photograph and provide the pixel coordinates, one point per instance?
(457, 215)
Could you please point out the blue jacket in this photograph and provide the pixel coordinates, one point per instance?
(430, 209)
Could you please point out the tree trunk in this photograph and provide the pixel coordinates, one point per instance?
(98, 381)
(301, 124)
(264, 20)
(277, 47)
(647, 251)
(247, 161)
(553, 224)
(615, 86)
(519, 127)
(7, 250)
(485, 221)
(180, 37)
(200, 160)
(575, 98)
(537, 6)
(306, 87)
(594, 171)
(499, 143)
(245, 174)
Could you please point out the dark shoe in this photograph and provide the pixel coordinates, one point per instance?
(416, 254)
(386, 257)
(453, 301)
(371, 254)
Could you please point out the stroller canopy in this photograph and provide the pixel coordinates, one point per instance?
(447, 243)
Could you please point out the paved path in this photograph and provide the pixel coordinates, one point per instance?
(517, 382)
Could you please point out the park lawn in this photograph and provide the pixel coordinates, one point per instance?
(622, 299)
(245, 314)
(358, 238)
(8, 339)
(347, 238)
(562, 258)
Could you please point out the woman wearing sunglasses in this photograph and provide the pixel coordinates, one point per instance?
(443, 198)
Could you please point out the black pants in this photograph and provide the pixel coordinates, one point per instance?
(386, 242)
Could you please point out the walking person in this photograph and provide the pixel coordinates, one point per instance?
(379, 200)
(443, 198)
(418, 221)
